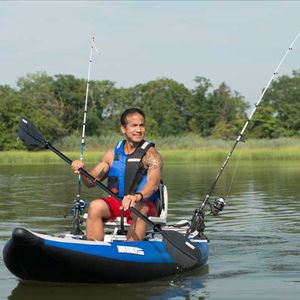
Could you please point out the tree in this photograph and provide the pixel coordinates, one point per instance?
(219, 113)
(56, 105)
(201, 118)
(229, 109)
(264, 124)
(70, 95)
(165, 103)
(102, 107)
(39, 103)
(284, 98)
(10, 108)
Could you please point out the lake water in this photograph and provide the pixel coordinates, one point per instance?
(254, 243)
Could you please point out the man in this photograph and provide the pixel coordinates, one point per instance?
(133, 169)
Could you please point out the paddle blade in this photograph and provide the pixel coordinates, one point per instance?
(181, 249)
(30, 135)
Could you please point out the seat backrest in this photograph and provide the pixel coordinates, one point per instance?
(163, 201)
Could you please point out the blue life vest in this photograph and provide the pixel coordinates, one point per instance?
(127, 174)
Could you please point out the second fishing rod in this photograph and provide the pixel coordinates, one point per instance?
(197, 221)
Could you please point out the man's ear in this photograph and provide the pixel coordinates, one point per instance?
(123, 129)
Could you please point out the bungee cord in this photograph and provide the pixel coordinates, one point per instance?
(197, 222)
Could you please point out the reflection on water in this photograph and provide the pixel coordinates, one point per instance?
(254, 242)
(171, 287)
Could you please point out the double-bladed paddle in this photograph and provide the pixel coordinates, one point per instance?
(180, 248)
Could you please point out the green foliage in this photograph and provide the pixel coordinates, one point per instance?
(265, 124)
(55, 104)
(201, 118)
(39, 103)
(69, 93)
(10, 108)
(99, 120)
(165, 104)
(284, 99)
(219, 113)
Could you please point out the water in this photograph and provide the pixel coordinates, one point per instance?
(254, 243)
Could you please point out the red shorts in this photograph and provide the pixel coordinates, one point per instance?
(116, 209)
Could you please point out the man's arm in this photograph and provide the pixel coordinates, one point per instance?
(153, 163)
(100, 171)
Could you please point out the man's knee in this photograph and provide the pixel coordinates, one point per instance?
(98, 208)
(143, 208)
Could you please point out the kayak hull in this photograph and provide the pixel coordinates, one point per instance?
(34, 256)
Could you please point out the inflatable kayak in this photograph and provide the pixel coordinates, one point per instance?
(70, 258)
(67, 258)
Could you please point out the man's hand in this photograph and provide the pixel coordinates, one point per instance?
(130, 200)
(76, 165)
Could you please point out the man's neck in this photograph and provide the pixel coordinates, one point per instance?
(130, 147)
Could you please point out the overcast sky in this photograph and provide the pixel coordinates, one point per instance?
(240, 43)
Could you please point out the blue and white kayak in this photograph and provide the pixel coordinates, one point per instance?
(66, 258)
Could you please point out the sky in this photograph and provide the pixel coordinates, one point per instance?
(236, 42)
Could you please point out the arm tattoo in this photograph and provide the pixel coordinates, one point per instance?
(101, 174)
(152, 159)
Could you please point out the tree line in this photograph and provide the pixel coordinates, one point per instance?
(55, 104)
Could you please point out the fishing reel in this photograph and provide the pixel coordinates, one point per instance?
(80, 204)
(217, 206)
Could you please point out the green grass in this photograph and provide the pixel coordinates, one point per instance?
(187, 141)
(31, 157)
(180, 149)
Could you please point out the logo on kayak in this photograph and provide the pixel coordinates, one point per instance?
(130, 250)
(190, 245)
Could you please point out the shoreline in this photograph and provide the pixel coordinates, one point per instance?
(23, 157)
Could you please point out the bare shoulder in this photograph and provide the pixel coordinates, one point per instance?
(152, 159)
(108, 156)
(102, 168)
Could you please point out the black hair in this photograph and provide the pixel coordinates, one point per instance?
(130, 111)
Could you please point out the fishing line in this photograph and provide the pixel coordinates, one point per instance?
(197, 222)
(234, 172)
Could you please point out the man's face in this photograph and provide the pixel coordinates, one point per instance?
(134, 130)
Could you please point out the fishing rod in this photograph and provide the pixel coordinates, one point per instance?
(79, 203)
(197, 221)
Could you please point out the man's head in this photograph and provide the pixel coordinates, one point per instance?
(133, 124)
(131, 111)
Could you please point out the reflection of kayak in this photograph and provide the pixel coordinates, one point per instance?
(67, 258)
(185, 287)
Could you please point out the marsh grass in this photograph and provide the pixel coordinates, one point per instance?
(179, 149)
(188, 141)
(31, 157)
